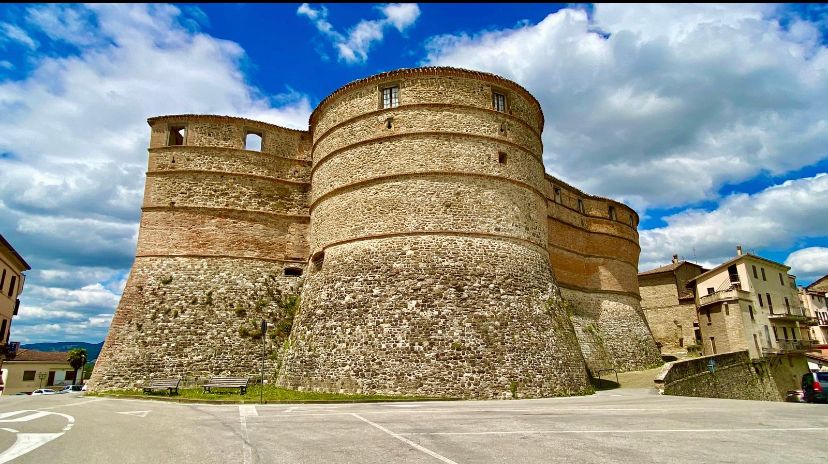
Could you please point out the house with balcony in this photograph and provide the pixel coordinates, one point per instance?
(751, 303)
(814, 299)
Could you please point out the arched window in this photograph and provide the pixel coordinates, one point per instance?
(253, 141)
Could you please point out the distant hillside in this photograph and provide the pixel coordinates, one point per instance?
(92, 349)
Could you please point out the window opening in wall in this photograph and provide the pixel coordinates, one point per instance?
(750, 310)
(501, 157)
(612, 213)
(28, 376)
(713, 344)
(785, 332)
(781, 281)
(3, 331)
(755, 276)
(2, 280)
(708, 315)
(581, 205)
(499, 102)
(177, 135)
(763, 275)
(710, 290)
(557, 195)
(11, 285)
(253, 141)
(756, 342)
(767, 335)
(761, 304)
(389, 123)
(770, 303)
(775, 333)
(317, 260)
(793, 333)
(631, 221)
(787, 304)
(391, 97)
(733, 275)
(293, 271)
(727, 309)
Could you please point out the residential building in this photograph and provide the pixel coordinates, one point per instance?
(815, 303)
(752, 303)
(12, 266)
(29, 370)
(670, 306)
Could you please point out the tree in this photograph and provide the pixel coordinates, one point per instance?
(77, 359)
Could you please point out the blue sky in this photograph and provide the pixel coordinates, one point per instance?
(710, 120)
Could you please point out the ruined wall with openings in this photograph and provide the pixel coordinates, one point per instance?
(429, 272)
(220, 225)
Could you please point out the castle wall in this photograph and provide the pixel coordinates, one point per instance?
(219, 225)
(595, 260)
(429, 272)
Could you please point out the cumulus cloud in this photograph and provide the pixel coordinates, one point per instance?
(73, 138)
(13, 33)
(354, 46)
(808, 264)
(773, 218)
(662, 105)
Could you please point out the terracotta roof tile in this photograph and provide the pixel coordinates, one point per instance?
(41, 356)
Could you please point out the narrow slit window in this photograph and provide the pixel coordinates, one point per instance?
(177, 135)
(557, 195)
(12, 285)
(2, 280)
(253, 141)
(390, 97)
(499, 102)
(612, 213)
(293, 271)
(581, 206)
(501, 157)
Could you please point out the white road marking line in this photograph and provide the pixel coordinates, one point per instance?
(136, 413)
(26, 418)
(532, 432)
(405, 440)
(297, 412)
(290, 409)
(247, 451)
(248, 410)
(9, 430)
(79, 403)
(26, 442)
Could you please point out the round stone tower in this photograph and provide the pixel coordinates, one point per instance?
(429, 272)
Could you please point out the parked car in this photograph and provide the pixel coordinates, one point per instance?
(815, 387)
(795, 396)
(44, 391)
(71, 389)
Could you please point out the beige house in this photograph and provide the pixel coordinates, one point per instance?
(751, 303)
(816, 307)
(670, 306)
(12, 266)
(30, 370)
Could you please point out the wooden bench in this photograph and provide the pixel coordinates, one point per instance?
(163, 384)
(227, 382)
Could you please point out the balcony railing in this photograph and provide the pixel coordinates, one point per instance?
(789, 346)
(792, 314)
(729, 294)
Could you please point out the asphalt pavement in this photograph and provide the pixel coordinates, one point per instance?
(625, 425)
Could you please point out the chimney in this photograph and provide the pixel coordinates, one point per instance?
(738, 250)
(675, 259)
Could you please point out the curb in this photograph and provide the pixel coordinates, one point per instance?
(172, 399)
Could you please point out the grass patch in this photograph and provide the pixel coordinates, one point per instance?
(270, 394)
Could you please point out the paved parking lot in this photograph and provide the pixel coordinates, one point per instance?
(613, 426)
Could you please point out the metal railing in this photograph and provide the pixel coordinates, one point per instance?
(789, 346)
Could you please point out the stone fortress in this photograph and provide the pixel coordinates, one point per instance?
(429, 251)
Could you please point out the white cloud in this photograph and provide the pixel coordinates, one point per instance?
(10, 32)
(354, 47)
(73, 138)
(662, 105)
(808, 264)
(771, 219)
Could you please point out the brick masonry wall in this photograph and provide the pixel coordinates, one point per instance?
(735, 376)
(219, 226)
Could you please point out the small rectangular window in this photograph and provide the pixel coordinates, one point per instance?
(12, 285)
(612, 213)
(710, 290)
(177, 135)
(499, 102)
(557, 195)
(501, 157)
(293, 271)
(708, 316)
(391, 97)
(2, 280)
(761, 304)
(28, 376)
(713, 344)
(581, 206)
(781, 281)
(750, 310)
(787, 304)
(755, 275)
(770, 303)
(763, 275)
